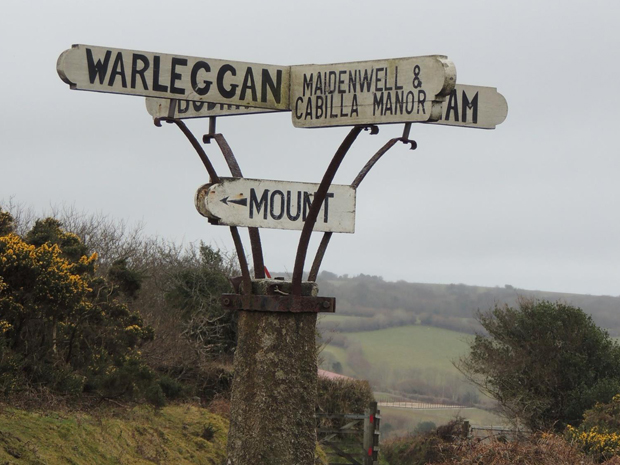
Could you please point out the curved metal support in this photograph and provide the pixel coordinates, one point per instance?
(201, 153)
(243, 263)
(317, 202)
(318, 258)
(377, 156)
(314, 271)
(255, 243)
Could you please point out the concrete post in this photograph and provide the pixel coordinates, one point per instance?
(274, 388)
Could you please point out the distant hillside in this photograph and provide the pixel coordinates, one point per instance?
(381, 304)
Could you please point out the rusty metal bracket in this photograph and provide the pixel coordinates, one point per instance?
(279, 303)
(320, 253)
(317, 202)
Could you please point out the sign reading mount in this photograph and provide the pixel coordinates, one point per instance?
(263, 203)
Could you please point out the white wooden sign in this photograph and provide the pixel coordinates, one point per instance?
(275, 204)
(371, 92)
(466, 106)
(132, 72)
(474, 107)
(166, 108)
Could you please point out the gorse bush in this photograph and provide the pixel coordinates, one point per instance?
(599, 433)
(62, 327)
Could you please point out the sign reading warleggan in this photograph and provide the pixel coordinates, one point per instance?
(131, 72)
(371, 92)
(264, 203)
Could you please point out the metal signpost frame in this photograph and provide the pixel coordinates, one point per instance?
(292, 299)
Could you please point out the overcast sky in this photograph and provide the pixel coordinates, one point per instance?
(533, 203)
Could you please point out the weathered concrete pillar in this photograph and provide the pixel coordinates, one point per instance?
(274, 388)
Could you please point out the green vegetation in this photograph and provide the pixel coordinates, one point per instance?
(401, 421)
(182, 434)
(414, 360)
(545, 363)
(380, 304)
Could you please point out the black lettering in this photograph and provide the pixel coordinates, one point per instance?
(135, 71)
(308, 113)
(307, 204)
(366, 80)
(288, 206)
(182, 106)
(307, 85)
(396, 86)
(472, 106)
(204, 90)
(318, 88)
(248, 83)
(275, 88)
(259, 204)
(399, 102)
(198, 105)
(211, 106)
(352, 81)
(330, 195)
(156, 85)
(320, 100)
(387, 80)
(174, 76)
(280, 214)
(118, 68)
(341, 82)
(224, 92)
(421, 101)
(297, 102)
(409, 100)
(354, 106)
(378, 80)
(331, 83)
(388, 104)
(342, 113)
(452, 106)
(98, 68)
(331, 107)
(377, 104)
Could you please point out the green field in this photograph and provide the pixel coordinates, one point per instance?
(403, 348)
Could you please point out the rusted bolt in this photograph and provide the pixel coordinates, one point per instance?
(326, 304)
(226, 302)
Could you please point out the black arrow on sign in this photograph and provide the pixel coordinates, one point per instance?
(243, 202)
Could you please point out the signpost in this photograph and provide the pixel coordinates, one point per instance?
(148, 74)
(397, 90)
(275, 360)
(466, 106)
(262, 203)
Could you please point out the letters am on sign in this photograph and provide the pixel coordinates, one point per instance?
(271, 204)
(132, 72)
(372, 92)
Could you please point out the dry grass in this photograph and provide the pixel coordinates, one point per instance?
(543, 449)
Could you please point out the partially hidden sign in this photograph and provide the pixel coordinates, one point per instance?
(149, 74)
(474, 107)
(371, 92)
(182, 109)
(466, 106)
(271, 204)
